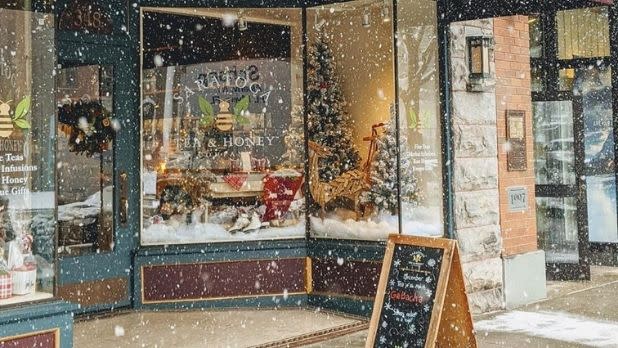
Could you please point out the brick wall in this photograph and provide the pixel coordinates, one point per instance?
(512, 58)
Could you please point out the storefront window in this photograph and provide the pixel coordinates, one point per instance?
(419, 116)
(583, 33)
(27, 131)
(350, 120)
(222, 130)
(536, 36)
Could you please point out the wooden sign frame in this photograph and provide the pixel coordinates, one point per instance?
(450, 321)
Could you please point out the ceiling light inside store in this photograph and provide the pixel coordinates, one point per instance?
(366, 18)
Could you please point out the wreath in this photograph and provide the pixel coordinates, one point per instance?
(88, 125)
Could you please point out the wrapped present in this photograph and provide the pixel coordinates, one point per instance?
(6, 284)
(24, 279)
(279, 191)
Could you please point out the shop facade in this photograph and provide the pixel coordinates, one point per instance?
(203, 155)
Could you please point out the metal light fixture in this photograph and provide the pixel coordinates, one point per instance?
(479, 50)
(242, 23)
(366, 18)
(385, 12)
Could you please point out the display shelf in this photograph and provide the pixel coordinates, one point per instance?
(36, 296)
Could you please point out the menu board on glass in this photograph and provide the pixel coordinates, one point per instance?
(421, 299)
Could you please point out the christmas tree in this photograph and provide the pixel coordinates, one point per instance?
(328, 122)
(294, 140)
(383, 192)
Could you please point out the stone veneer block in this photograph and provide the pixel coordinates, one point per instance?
(474, 108)
(483, 275)
(476, 208)
(524, 278)
(474, 174)
(479, 243)
(475, 141)
(486, 301)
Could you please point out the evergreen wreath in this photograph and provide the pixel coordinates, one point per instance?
(88, 125)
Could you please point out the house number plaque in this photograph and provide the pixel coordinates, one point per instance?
(516, 136)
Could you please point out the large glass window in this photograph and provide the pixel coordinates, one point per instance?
(223, 125)
(27, 131)
(222, 129)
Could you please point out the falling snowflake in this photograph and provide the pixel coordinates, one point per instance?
(384, 324)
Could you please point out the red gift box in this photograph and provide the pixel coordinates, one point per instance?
(279, 192)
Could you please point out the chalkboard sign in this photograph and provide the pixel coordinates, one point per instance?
(411, 307)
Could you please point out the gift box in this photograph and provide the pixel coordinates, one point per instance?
(24, 281)
(6, 285)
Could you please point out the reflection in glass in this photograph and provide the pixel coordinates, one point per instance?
(537, 75)
(536, 36)
(85, 159)
(602, 208)
(554, 155)
(593, 84)
(557, 228)
(566, 79)
(222, 130)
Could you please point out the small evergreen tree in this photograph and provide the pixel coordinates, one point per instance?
(383, 192)
(328, 122)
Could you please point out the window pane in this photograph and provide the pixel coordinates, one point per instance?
(353, 168)
(601, 193)
(536, 36)
(222, 129)
(557, 227)
(554, 156)
(85, 159)
(594, 85)
(583, 33)
(27, 130)
(538, 79)
(419, 110)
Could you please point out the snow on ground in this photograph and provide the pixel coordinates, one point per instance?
(375, 228)
(556, 326)
(204, 233)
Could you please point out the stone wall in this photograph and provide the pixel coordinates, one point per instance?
(477, 215)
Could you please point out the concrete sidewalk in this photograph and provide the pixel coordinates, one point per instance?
(576, 314)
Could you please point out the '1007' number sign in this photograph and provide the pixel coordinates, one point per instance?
(412, 308)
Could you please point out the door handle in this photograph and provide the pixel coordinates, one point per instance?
(124, 199)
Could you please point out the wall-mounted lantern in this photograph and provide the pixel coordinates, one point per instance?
(480, 50)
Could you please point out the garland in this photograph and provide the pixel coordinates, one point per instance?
(88, 125)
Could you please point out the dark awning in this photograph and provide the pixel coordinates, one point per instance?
(459, 10)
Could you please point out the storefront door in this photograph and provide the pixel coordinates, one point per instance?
(92, 92)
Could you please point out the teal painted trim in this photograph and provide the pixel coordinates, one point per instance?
(342, 304)
(235, 249)
(346, 249)
(104, 307)
(263, 302)
(236, 4)
(40, 317)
